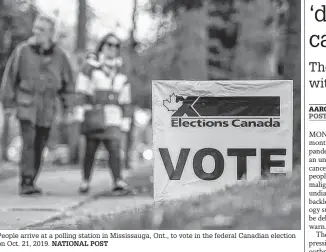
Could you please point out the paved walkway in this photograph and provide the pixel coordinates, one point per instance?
(61, 198)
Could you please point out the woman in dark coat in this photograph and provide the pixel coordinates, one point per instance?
(103, 86)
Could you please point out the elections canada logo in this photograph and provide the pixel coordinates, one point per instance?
(223, 111)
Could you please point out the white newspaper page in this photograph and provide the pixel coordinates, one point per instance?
(315, 120)
(162, 125)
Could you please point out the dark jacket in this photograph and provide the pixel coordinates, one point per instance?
(33, 81)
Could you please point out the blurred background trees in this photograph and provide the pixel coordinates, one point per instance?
(292, 68)
(193, 40)
(16, 18)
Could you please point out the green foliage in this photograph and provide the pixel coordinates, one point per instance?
(166, 6)
(260, 39)
(181, 54)
(20, 19)
(292, 69)
(16, 18)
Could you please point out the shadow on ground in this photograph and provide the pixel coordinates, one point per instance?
(266, 205)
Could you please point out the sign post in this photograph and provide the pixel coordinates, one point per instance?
(210, 134)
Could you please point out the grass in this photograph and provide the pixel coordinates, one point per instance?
(265, 205)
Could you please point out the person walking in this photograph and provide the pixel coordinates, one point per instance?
(37, 73)
(104, 109)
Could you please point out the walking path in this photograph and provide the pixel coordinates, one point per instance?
(61, 198)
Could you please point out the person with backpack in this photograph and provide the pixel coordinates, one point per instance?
(104, 109)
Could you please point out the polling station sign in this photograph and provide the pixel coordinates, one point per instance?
(210, 134)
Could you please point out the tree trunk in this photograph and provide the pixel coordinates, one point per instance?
(222, 38)
(128, 138)
(292, 70)
(4, 125)
(81, 26)
(2, 31)
(73, 128)
(133, 41)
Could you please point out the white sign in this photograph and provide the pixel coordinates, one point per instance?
(210, 134)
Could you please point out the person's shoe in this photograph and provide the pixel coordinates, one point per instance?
(84, 187)
(29, 190)
(37, 190)
(27, 187)
(121, 188)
